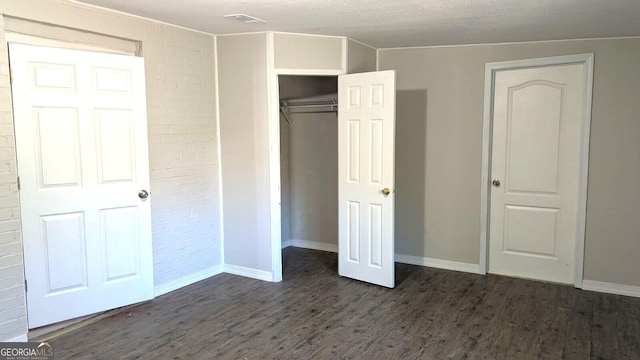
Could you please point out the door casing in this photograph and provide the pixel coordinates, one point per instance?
(490, 70)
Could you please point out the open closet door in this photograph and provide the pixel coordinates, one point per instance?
(366, 134)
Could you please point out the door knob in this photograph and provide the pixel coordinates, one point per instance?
(386, 191)
(496, 183)
(143, 194)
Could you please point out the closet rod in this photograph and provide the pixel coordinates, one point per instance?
(303, 101)
(287, 105)
(309, 102)
(319, 112)
(309, 105)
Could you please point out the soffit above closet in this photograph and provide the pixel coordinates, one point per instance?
(400, 23)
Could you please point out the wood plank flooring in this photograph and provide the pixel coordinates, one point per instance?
(315, 314)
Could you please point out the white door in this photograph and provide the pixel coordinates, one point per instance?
(538, 116)
(81, 137)
(366, 134)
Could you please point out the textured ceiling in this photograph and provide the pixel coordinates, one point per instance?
(398, 23)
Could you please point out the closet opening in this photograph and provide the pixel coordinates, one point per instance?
(309, 162)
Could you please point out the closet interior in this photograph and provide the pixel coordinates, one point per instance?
(309, 161)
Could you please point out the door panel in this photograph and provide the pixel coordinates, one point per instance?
(108, 81)
(531, 231)
(65, 251)
(537, 122)
(533, 137)
(57, 137)
(80, 123)
(50, 76)
(119, 235)
(366, 131)
(376, 147)
(353, 148)
(353, 232)
(375, 235)
(116, 146)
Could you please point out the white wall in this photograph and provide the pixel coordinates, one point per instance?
(360, 58)
(296, 51)
(242, 71)
(179, 66)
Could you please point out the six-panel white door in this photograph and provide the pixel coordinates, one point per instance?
(81, 136)
(366, 134)
(538, 116)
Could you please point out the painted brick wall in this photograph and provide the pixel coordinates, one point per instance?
(13, 319)
(183, 152)
(179, 68)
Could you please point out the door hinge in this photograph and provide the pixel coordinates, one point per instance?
(18, 182)
(25, 285)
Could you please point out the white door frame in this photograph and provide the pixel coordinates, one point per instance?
(489, 76)
(273, 118)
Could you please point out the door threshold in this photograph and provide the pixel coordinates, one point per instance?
(49, 332)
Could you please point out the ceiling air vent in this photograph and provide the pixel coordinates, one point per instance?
(244, 18)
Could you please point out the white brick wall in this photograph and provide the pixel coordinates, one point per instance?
(13, 321)
(183, 152)
(179, 68)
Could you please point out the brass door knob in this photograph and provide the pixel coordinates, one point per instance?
(386, 191)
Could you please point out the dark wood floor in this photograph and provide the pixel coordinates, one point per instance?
(315, 314)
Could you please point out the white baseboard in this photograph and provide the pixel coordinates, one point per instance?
(405, 259)
(21, 338)
(187, 280)
(611, 288)
(286, 244)
(313, 245)
(248, 272)
(438, 263)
